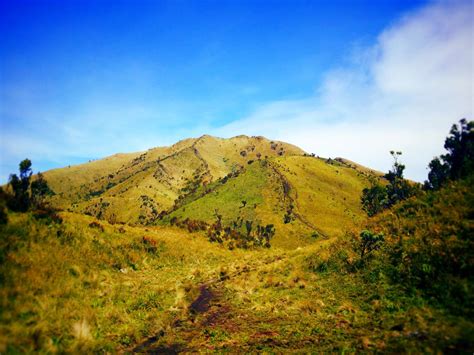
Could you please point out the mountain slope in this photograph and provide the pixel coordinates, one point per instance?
(241, 178)
(126, 186)
(304, 197)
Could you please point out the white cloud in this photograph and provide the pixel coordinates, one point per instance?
(403, 93)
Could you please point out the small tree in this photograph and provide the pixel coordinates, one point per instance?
(22, 199)
(3, 210)
(438, 174)
(20, 185)
(369, 242)
(39, 190)
(458, 163)
(377, 198)
(374, 199)
(398, 188)
(460, 147)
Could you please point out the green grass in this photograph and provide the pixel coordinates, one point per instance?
(326, 195)
(325, 199)
(75, 288)
(284, 305)
(86, 285)
(159, 173)
(227, 198)
(70, 286)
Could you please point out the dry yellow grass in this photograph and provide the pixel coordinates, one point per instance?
(117, 185)
(81, 287)
(88, 285)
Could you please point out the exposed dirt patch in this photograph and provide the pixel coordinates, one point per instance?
(218, 315)
(201, 303)
(163, 349)
(209, 312)
(145, 346)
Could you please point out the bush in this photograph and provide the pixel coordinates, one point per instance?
(374, 199)
(234, 237)
(3, 207)
(192, 225)
(47, 214)
(378, 198)
(369, 242)
(96, 225)
(338, 259)
(25, 196)
(458, 162)
(429, 246)
(150, 245)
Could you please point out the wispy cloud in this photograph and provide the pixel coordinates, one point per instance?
(403, 93)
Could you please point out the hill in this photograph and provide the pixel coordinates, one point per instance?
(86, 286)
(333, 280)
(241, 178)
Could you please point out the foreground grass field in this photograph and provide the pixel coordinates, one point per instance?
(83, 285)
(70, 286)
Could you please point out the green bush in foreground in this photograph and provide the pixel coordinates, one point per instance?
(429, 246)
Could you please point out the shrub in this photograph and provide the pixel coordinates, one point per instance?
(192, 225)
(428, 244)
(40, 190)
(150, 245)
(374, 199)
(369, 242)
(20, 200)
(48, 214)
(378, 198)
(233, 236)
(96, 225)
(458, 162)
(337, 259)
(3, 207)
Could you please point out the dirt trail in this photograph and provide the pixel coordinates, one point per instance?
(208, 309)
(201, 303)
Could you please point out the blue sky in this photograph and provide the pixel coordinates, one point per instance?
(81, 80)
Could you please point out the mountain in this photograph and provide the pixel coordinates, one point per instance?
(73, 284)
(240, 178)
(130, 267)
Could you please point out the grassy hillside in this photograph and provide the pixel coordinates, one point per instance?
(241, 178)
(135, 188)
(76, 285)
(72, 282)
(326, 194)
(430, 245)
(304, 197)
(87, 286)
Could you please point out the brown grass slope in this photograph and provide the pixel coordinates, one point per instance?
(135, 187)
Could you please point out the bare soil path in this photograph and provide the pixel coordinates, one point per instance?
(210, 309)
